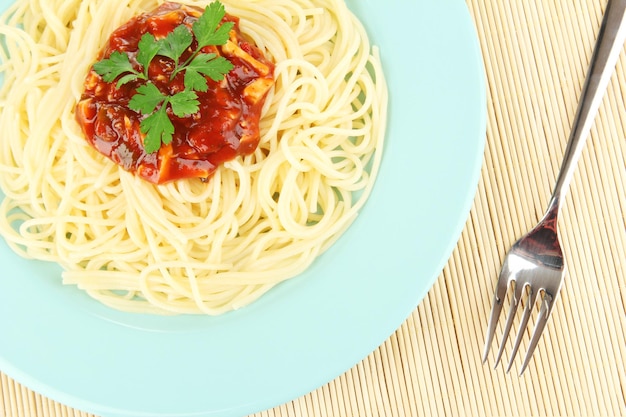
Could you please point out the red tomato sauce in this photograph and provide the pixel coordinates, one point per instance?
(226, 125)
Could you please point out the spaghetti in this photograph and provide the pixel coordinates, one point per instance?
(188, 246)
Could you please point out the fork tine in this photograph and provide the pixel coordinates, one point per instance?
(542, 320)
(509, 321)
(532, 299)
(496, 308)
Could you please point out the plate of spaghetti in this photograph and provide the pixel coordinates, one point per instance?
(214, 207)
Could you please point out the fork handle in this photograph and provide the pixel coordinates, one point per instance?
(603, 60)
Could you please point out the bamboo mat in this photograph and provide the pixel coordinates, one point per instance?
(536, 54)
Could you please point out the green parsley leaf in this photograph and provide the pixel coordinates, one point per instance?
(184, 103)
(195, 81)
(147, 99)
(126, 79)
(158, 129)
(148, 49)
(175, 43)
(206, 28)
(211, 66)
(115, 65)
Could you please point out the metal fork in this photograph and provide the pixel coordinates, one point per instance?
(535, 262)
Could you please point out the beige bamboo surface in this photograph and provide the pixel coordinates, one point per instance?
(535, 53)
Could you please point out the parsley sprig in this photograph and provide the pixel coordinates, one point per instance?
(152, 102)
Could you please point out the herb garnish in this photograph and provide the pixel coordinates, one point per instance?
(149, 100)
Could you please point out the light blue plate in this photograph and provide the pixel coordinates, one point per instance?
(309, 330)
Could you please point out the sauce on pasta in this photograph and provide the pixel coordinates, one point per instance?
(226, 125)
